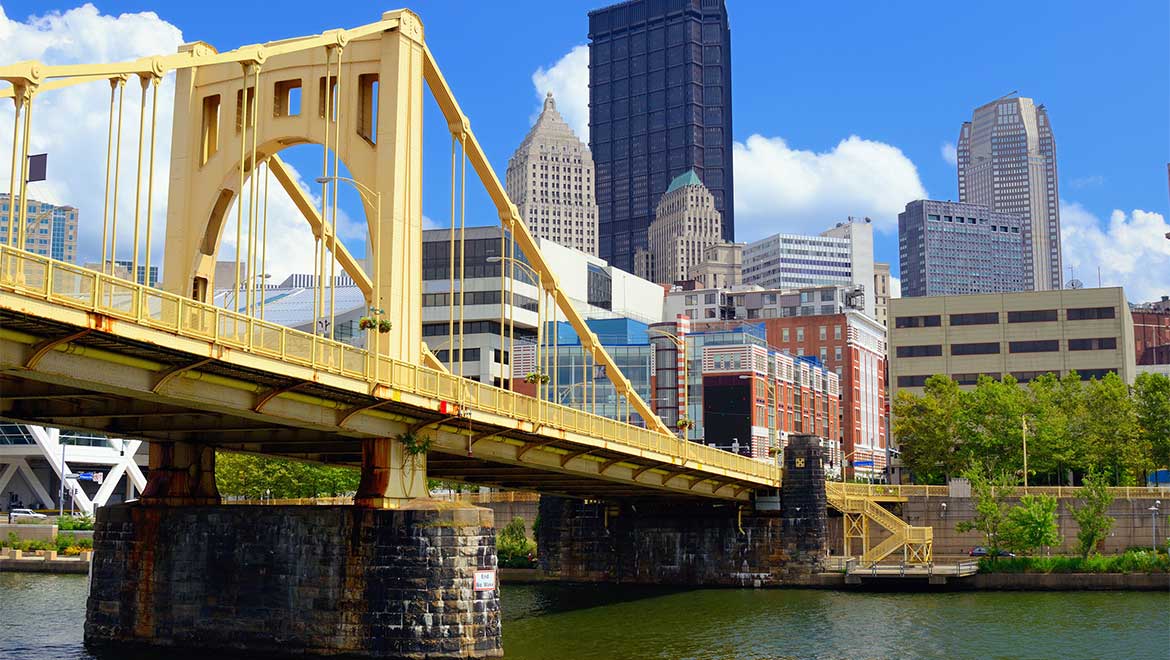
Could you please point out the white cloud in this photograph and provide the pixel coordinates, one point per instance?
(778, 188)
(71, 124)
(895, 287)
(568, 80)
(950, 154)
(1130, 249)
(1090, 181)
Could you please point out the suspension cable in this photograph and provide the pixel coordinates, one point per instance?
(318, 245)
(511, 265)
(155, 80)
(254, 118)
(10, 230)
(264, 240)
(462, 245)
(22, 239)
(333, 221)
(451, 270)
(143, 82)
(243, 129)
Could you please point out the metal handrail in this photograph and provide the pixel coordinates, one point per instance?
(62, 283)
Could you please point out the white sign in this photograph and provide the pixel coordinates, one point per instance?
(485, 580)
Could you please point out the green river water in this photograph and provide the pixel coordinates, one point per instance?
(41, 618)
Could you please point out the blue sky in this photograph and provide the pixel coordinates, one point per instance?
(807, 76)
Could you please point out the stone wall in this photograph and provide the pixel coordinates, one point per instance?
(1132, 526)
(316, 580)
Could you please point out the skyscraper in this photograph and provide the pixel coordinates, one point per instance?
(685, 225)
(550, 179)
(49, 230)
(952, 248)
(1007, 161)
(659, 105)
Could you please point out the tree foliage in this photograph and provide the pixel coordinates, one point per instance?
(513, 548)
(253, 477)
(1031, 525)
(1072, 427)
(990, 491)
(1092, 516)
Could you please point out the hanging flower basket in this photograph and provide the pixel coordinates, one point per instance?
(685, 423)
(536, 377)
(384, 326)
(367, 323)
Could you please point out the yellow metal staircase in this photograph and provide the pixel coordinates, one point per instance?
(860, 508)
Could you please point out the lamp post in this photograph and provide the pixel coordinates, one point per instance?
(373, 339)
(682, 405)
(1154, 523)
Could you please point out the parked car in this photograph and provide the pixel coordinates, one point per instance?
(17, 514)
(980, 551)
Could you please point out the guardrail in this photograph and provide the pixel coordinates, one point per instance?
(81, 288)
(495, 497)
(915, 490)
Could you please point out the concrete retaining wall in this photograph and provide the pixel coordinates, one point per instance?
(28, 532)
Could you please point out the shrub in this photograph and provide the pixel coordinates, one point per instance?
(70, 523)
(1131, 561)
(513, 547)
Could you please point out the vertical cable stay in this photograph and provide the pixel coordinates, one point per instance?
(318, 245)
(511, 265)
(503, 301)
(143, 82)
(333, 220)
(264, 240)
(451, 269)
(18, 101)
(254, 118)
(243, 110)
(154, 81)
(462, 244)
(22, 237)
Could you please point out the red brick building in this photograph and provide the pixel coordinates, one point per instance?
(1151, 333)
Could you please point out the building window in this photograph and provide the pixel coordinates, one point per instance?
(785, 334)
(971, 379)
(1098, 344)
(929, 321)
(925, 350)
(1029, 376)
(836, 332)
(979, 348)
(912, 381)
(800, 334)
(1032, 316)
(1098, 374)
(1091, 313)
(1034, 346)
(976, 318)
(824, 333)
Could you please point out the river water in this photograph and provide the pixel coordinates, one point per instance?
(41, 618)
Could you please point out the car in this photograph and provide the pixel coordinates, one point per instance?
(17, 514)
(980, 551)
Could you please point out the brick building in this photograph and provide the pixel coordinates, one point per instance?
(1151, 334)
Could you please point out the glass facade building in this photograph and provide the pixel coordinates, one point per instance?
(952, 248)
(659, 105)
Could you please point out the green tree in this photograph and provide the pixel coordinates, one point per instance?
(1053, 412)
(990, 491)
(1111, 437)
(252, 477)
(992, 426)
(1031, 524)
(1092, 517)
(1152, 399)
(513, 546)
(927, 429)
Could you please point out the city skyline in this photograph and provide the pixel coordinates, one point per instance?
(1112, 185)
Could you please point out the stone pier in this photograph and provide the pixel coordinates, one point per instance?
(693, 542)
(312, 580)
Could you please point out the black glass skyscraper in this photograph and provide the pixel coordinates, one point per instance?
(659, 105)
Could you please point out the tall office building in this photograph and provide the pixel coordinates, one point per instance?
(685, 224)
(659, 105)
(550, 179)
(841, 255)
(881, 292)
(1007, 161)
(50, 230)
(952, 248)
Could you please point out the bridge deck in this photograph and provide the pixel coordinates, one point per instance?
(84, 350)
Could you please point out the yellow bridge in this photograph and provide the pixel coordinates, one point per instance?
(87, 349)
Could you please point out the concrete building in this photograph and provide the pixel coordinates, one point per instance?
(722, 266)
(659, 105)
(749, 302)
(841, 255)
(853, 347)
(1025, 334)
(50, 230)
(686, 223)
(550, 179)
(881, 293)
(952, 248)
(1007, 162)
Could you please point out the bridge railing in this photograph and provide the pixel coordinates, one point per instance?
(67, 284)
(1059, 492)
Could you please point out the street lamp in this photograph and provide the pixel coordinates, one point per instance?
(1154, 523)
(682, 406)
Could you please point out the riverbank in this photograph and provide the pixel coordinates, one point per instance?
(978, 582)
(58, 565)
